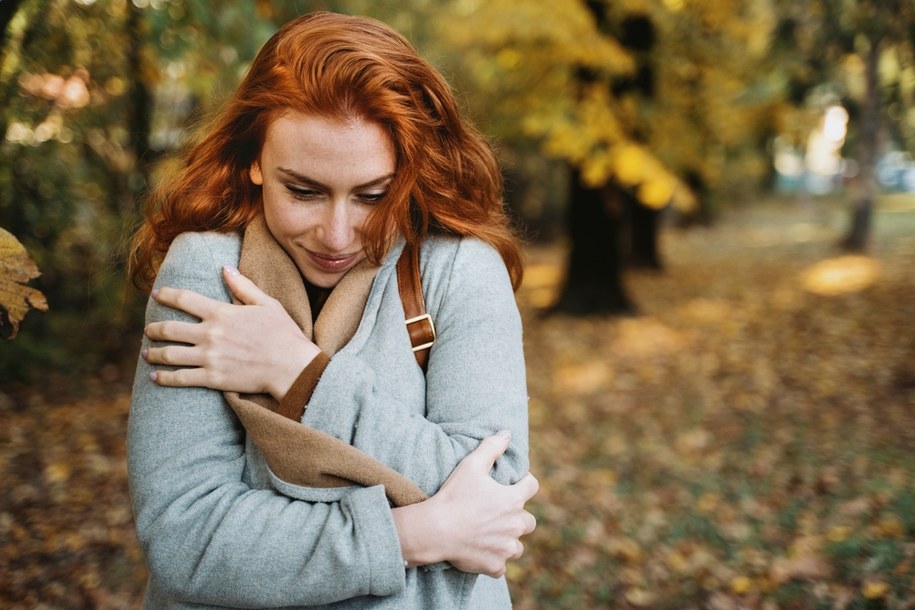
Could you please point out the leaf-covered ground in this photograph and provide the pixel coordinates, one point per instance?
(747, 441)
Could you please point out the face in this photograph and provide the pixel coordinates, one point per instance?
(320, 178)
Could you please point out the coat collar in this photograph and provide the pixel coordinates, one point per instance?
(264, 262)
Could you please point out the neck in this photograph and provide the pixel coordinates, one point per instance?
(316, 298)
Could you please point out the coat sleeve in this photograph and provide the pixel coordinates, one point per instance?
(208, 537)
(475, 383)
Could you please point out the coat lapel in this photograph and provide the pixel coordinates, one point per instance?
(296, 453)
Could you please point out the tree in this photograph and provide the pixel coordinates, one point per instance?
(882, 26)
(838, 46)
(650, 102)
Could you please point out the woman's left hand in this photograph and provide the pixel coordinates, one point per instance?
(253, 347)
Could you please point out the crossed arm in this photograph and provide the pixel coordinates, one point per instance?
(473, 521)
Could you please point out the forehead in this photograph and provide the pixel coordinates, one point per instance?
(313, 142)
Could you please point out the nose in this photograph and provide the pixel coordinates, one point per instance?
(337, 230)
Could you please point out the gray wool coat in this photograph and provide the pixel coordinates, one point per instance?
(219, 529)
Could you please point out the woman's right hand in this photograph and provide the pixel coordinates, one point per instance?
(473, 522)
(253, 347)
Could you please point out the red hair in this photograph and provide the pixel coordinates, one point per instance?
(447, 178)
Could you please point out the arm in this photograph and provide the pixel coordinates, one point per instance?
(475, 381)
(490, 530)
(209, 537)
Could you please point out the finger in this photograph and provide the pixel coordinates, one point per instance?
(187, 301)
(527, 486)
(489, 450)
(174, 355)
(498, 573)
(181, 378)
(179, 332)
(530, 523)
(242, 288)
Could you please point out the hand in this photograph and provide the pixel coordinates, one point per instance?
(473, 522)
(254, 347)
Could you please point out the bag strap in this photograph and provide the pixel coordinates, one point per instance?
(419, 323)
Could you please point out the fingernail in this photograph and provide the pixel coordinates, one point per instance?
(153, 376)
(155, 293)
(230, 270)
(144, 352)
(504, 433)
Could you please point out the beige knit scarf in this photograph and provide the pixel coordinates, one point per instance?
(295, 452)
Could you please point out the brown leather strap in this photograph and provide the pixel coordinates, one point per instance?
(419, 323)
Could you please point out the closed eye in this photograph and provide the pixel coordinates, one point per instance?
(371, 198)
(305, 194)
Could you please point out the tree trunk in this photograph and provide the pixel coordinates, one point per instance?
(139, 118)
(642, 228)
(593, 282)
(862, 208)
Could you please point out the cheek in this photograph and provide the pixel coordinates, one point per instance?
(361, 220)
(285, 221)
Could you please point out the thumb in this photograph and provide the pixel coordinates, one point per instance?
(490, 449)
(242, 288)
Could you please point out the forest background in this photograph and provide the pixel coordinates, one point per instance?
(731, 180)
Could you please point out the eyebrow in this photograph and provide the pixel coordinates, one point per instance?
(305, 179)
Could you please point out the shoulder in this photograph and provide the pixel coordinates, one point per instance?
(463, 268)
(205, 246)
(450, 251)
(194, 260)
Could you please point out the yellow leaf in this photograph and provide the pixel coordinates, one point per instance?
(874, 589)
(741, 585)
(17, 268)
(839, 533)
(57, 472)
(656, 192)
(639, 597)
(630, 165)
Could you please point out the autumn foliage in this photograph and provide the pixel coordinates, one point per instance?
(17, 268)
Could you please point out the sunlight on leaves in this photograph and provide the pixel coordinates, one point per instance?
(841, 275)
(17, 268)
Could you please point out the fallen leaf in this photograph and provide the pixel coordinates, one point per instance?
(803, 567)
(874, 589)
(741, 585)
(640, 597)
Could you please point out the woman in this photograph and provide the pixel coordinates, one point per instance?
(339, 150)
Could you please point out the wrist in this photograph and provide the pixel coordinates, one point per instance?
(288, 370)
(422, 537)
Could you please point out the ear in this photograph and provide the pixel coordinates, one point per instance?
(256, 176)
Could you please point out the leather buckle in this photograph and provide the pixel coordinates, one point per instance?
(431, 330)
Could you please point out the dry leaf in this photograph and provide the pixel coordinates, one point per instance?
(808, 566)
(17, 268)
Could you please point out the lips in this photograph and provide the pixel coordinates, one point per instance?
(333, 263)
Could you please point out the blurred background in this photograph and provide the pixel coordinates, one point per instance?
(718, 202)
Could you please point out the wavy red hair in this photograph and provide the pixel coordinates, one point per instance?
(447, 179)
